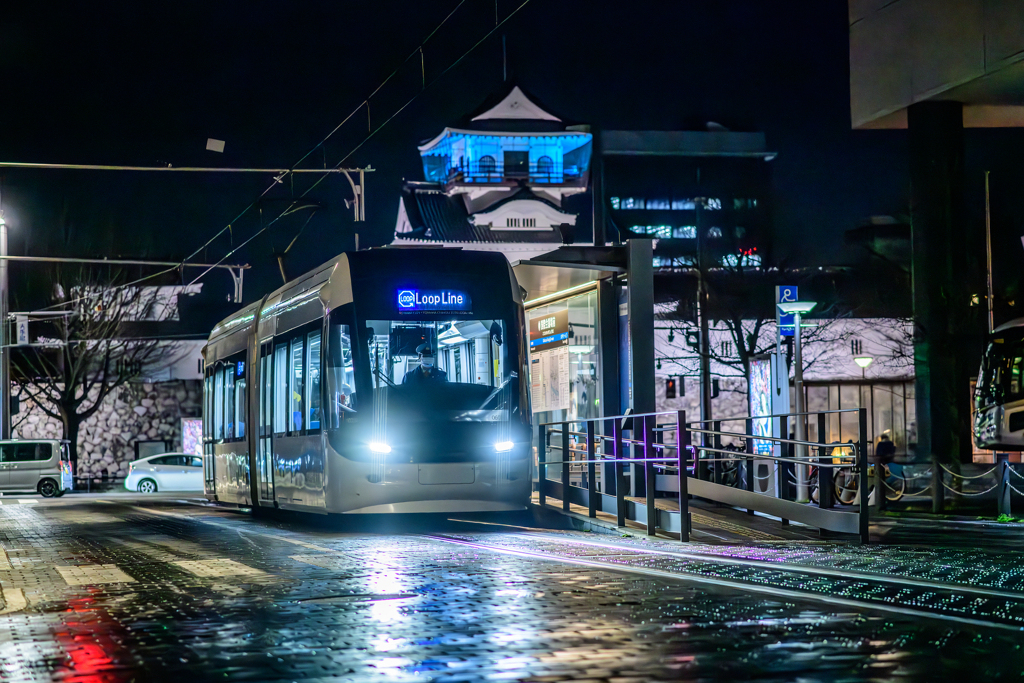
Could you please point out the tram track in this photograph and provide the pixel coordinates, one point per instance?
(965, 605)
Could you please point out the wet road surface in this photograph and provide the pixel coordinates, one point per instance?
(121, 589)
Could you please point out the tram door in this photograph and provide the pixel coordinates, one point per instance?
(265, 448)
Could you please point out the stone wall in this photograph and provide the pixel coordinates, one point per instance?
(135, 412)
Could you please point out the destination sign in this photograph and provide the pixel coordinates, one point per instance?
(418, 300)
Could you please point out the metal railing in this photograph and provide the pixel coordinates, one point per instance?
(655, 465)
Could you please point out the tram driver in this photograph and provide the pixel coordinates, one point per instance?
(426, 372)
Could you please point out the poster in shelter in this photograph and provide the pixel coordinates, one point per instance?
(549, 361)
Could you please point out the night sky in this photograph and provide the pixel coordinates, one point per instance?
(137, 84)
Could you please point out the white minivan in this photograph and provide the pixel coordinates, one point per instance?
(42, 465)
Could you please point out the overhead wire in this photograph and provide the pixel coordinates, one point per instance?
(371, 134)
(327, 137)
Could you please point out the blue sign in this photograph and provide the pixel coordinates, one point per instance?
(549, 340)
(420, 300)
(787, 323)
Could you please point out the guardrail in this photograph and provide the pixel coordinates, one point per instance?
(658, 465)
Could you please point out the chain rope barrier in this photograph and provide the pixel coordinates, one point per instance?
(977, 476)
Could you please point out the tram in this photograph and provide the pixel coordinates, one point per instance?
(308, 403)
(999, 393)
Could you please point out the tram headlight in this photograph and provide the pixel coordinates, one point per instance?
(503, 446)
(379, 447)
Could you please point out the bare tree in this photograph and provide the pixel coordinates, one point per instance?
(743, 322)
(94, 346)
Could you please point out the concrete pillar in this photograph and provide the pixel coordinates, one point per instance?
(941, 266)
(640, 291)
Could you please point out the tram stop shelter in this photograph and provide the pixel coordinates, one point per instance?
(590, 314)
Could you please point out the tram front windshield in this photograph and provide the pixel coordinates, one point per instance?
(439, 369)
(1001, 379)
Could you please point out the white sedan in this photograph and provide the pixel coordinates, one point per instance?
(166, 472)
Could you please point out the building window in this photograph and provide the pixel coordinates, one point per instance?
(855, 347)
(631, 203)
(615, 202)
(714, 233)
(658, 204)
(512, 223)
(685, 232)
(545, 165)
(487, 165)
(713, 204)
(726, 349)
(683, 205)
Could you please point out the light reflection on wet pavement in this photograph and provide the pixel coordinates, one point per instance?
(222, 596)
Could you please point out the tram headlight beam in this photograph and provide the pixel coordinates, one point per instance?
(504, 446)
(379, 447)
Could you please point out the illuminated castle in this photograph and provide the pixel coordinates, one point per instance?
(503, 180)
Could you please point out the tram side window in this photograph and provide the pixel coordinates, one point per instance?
(1016, 372)
(340, 375)
(207, 411)
(313, 378)
(295, 386)
(280, 388)
(240, 398)
(218, 403)
(229, 401)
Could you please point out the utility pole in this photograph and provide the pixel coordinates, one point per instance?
(702, 317)
(5, 351)
(988, 258)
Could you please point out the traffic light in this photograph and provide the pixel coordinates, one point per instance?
(670, 387)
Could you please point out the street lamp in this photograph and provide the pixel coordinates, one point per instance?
(798, 309)
(863, 362)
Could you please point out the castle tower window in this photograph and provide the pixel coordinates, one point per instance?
(517, 164)
(545, 166)
(487, 165)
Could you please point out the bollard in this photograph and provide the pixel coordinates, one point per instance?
(749, 464)
(862, 462)
(1003, 500)
(826, 475)
(620, 474)
(938, 491)
(649, 452)
(566, 457)
(880, 489)
(542, 468)
(591, 471)
(682, 457)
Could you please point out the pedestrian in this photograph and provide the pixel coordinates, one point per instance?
(885, 451)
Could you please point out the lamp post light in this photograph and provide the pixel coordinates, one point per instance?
(798, 309)
(863, 362)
